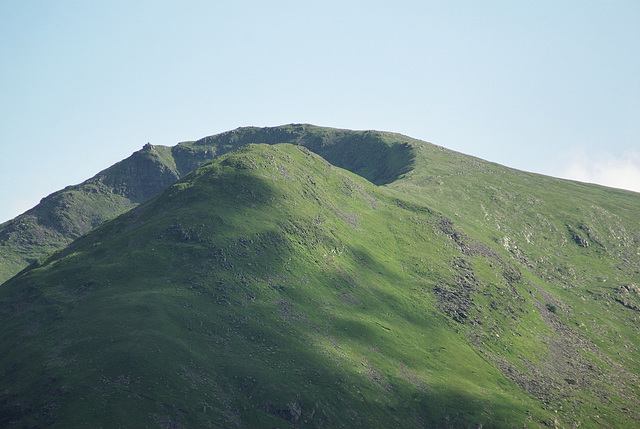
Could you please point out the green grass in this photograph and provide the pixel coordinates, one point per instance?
(271, 288)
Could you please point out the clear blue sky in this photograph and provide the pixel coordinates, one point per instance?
(546, 86)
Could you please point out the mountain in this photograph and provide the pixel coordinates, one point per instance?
(69, 213)
(321, 277)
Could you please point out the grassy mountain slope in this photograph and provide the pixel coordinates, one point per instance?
(272, 288)
(577, 247)
(67, 214)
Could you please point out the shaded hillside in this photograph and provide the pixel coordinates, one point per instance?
(379, 157)
(271, 288)
(67, 214)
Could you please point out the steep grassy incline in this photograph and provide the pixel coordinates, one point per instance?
(577, 247)
(379, 157)
(270, 288)
(67, 214)
(75, 210)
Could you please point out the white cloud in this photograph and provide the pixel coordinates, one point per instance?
(604, 169)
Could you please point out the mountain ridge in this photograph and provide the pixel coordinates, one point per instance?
(292, 308)
(271, 287)
(67, 214)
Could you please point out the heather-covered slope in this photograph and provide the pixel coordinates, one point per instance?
(270, 288)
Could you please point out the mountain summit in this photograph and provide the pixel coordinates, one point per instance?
(309, 277)
(71, 212)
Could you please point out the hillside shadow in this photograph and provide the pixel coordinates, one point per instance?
(369, 154)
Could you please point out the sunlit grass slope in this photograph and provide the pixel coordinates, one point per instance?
(71, 212)
(273, 288)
